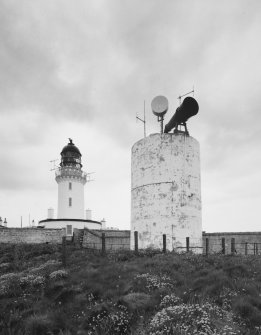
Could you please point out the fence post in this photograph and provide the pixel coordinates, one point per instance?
(16, 256)
(187, 244)
(136, 243)
(223, 246)
(103, 244)
(164, 243)
(246, 248)
(233, 245)
(207, 246)
(64, 250)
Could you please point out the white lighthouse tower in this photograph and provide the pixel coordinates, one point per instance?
(71, 180)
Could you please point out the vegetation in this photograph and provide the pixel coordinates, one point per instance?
(124, 293)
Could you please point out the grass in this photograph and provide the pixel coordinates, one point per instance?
(123, 293)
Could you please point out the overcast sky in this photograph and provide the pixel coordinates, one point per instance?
(82, 69)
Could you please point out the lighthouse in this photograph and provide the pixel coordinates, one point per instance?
(71, 180)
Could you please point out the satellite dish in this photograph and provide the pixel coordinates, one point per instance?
(159, 105)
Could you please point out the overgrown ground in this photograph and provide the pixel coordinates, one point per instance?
(123, 293)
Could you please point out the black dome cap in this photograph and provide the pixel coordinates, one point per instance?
(70, 147)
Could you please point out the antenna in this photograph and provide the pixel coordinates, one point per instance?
(144, 119)
(159, 106)
(54, 165)
(88, 176)
(181, 96)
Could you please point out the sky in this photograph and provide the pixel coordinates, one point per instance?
(83, 69)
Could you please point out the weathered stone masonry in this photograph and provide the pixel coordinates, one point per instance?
(31, 235)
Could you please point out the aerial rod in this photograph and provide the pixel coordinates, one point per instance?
(54, 166)
(143, 120)
(88, 176)
(181, 96)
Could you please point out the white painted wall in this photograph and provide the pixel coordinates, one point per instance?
(76, 211)
(166, 191)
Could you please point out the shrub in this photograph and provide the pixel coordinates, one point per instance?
(148, 282)
(59, 274)
(32, 281)
(10, 284)
(190, 319)
(46, 268)
(170, 300)
(109, 320)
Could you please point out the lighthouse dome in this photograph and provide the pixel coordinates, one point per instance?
(70, 147)
(71, 156)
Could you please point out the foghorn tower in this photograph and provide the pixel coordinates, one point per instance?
(71, 180)
(165, 183)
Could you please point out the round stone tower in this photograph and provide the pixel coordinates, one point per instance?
(71, 180)
(166, 192)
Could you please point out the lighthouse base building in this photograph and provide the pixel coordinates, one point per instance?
(166, 193)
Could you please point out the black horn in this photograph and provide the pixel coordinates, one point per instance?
(188, 108)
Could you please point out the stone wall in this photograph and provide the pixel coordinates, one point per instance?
(114, 239)
(31, 235)
(245, 242)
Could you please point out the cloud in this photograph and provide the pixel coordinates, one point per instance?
(85, 68)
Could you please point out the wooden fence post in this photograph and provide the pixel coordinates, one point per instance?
(187, 244)
(233, 245)
(223, 246)
(164, 243)
(103, 244)
(64, 251)
(207, 246)
(136, 243)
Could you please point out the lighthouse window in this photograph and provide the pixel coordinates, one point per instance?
(70, 185)
(70, 202)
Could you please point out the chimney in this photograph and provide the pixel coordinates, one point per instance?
(50, 213)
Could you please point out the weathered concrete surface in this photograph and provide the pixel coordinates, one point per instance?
(166, 192)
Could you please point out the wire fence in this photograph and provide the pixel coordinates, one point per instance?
(231, 246)
(103, 243)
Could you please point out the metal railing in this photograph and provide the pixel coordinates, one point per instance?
(70, 172)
